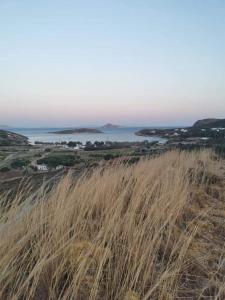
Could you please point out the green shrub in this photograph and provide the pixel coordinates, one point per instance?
(20, 163)
(4, 169)
(108, 156)
(55, 160)
(3, 134)
(133, 160)
(220, 150)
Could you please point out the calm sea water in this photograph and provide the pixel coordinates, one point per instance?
(126, 134)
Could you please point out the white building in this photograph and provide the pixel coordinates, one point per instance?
(78, 147)
(218, 129)
(59, 167)
(184, 130)
(42, 167)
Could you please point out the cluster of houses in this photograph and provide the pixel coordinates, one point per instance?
(176, 132)
(77, 147)
(179, 131)
(218, 129)
(44, 167)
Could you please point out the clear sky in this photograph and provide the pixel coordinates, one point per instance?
(132, 62)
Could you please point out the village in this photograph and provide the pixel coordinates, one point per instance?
(43, 160)
(47, 156)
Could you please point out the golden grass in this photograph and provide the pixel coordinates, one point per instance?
(155, 230)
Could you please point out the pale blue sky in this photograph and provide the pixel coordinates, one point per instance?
(65, 63)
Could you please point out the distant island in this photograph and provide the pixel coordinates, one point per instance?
(8, 138)
(77, 131)
(110, 125)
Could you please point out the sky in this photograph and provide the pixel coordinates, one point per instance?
(129, 62)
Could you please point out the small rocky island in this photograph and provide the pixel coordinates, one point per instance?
(8, 138)
(111, 126)
(78, 131)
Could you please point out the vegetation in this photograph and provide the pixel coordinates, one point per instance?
(182, 134)
(153, 230)
(4, 169)
(73, 144)
(2, 155)
(58, 159)
(3, 134)
(210, 123)
(8, 138)
(20, 163)
(107, 145)
(220, 150)
(78, 130)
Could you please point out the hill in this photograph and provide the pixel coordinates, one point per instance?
(206, 128)
(154, 230)
(210, 123)
(8, 138)
(78, 130)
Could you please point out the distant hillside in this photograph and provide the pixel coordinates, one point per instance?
(201, 128)
(8, 138)
(210, 123)
(110, 125)
(78, 130)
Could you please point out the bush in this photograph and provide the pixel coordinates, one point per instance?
(108, 156)
(133, 160)
(3, 134)
(55, 160)
(220, 150)
(4, 169)
(72, 144)
(20, 163)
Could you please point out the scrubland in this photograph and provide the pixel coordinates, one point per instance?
(153, 230)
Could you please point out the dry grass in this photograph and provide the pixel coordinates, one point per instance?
(155, 230)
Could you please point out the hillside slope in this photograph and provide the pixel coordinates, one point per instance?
(155, 230)
(210, 123)
(8, 138)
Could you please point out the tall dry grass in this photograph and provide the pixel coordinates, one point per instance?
(155, 230)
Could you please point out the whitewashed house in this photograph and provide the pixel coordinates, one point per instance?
(184, 130)
(59, 167)
(78, 147)
(42, 167)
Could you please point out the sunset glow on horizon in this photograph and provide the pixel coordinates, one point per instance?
(141, 63)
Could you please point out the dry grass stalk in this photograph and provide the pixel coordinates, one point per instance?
(155, 230)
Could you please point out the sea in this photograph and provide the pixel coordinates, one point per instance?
(125, 134)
